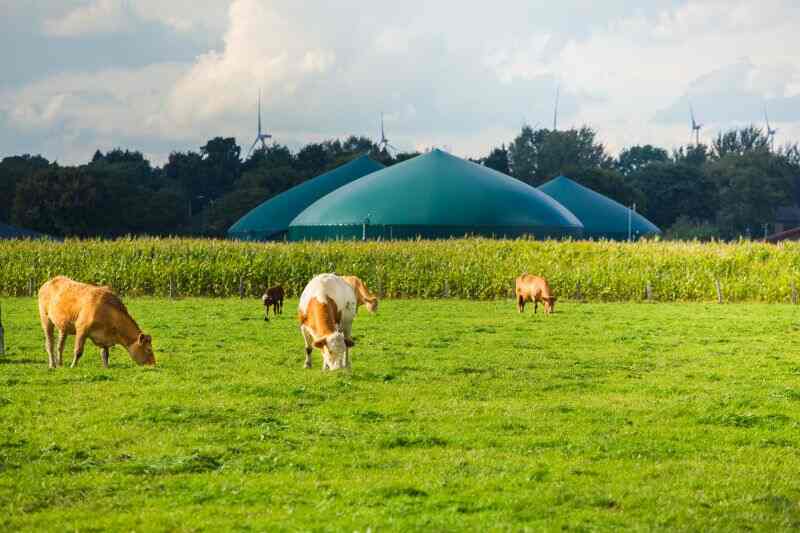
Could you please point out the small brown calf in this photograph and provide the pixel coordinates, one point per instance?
(534, 289)
(273, 297)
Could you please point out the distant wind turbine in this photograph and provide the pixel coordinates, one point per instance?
(260, 136)
(383, 144)
(770, 131)
(695, 126)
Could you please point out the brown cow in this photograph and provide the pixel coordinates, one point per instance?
(88, 311)
(534, 289)
(273, 297)
(363, 296)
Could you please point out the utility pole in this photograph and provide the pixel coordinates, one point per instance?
(630, 221)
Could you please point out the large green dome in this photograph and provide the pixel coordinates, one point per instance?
(602, 217)
(435, 195)
(271, 219)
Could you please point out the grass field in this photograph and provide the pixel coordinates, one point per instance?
(457, 416)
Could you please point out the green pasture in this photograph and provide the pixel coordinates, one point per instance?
(457, 415)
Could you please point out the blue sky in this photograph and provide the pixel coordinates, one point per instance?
(165, 76)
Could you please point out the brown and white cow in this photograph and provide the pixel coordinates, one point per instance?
(534, 289)
(326, 311)
(363, 296)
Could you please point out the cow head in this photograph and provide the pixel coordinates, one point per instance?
(334, 350)
(550, 304)
(142, 350)
(372, 305)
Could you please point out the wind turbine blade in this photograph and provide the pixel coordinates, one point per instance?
(555, 109)
(253, 146)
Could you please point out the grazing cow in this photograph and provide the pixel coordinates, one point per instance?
(326, 311)
(363, 296)
(534, 289)
(273, 297)
(88, 311)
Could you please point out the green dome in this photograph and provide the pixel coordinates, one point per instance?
(435, 195)
(602, 217)
(271, 219)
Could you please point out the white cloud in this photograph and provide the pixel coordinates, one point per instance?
(443, 73)
(100, 16)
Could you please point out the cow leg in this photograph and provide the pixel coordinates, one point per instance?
(62, 340)
(520, 304)
(104, 355)
(80, 340)
(48, 329)
(266, 313)
(535, 306)
(309, 340)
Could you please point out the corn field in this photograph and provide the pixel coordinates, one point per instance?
(468, 268)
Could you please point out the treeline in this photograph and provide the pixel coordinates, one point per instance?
(194, 193)
(728, 189)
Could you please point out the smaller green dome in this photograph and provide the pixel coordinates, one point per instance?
(602, 217)
(271, 219)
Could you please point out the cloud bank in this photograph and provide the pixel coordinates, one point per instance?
(445, 74)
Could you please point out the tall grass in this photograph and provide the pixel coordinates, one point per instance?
(469, 268)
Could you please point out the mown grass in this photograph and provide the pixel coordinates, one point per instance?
(457, 416)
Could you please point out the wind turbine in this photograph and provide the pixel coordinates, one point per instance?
(384, 142)
(260, 136)
(770, 132)
(555, 109)
(695, 126)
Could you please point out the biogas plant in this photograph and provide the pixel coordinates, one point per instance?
(436, 196)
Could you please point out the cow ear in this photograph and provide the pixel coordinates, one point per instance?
(320, 343)
(349, 343)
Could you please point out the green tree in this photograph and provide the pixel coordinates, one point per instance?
(221, 166)
(739, 142)
(536, 156)
(636, 157)
(498, 160)
(674, 190)
(313, 159)
(12, 170)
(750, 186)
(696, 155)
